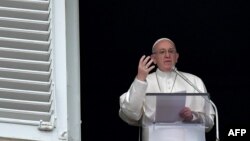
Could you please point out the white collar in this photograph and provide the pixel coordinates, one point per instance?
(164, 74)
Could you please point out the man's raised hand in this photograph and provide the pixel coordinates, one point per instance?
(144, 67)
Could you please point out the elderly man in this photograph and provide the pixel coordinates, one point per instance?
(133, 104)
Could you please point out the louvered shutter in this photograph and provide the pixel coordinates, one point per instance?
(26, 89)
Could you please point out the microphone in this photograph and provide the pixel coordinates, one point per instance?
(210, 101)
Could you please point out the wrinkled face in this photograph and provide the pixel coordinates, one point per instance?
(165, 55)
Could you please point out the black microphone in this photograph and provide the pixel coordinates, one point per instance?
(210, 101)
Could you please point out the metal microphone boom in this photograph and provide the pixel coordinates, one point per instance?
(214, 106)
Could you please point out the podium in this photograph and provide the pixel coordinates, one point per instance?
(161, 121)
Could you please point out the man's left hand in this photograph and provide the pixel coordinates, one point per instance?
(186, 114)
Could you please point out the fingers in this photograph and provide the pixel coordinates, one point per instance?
(186, 114)
(145, 62)
(142, 58)
(144, 67)
(149, 63)
(152, 67)
(185, 111)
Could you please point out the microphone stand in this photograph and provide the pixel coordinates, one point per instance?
(214, 106)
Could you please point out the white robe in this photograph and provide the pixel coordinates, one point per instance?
(134, 107)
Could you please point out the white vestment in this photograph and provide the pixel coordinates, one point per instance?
(134, 107)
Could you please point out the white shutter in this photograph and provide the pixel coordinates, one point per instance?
(25, 62)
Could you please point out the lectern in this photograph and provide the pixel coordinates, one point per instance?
(163, 123)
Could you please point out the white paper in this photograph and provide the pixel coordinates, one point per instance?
(168, 108)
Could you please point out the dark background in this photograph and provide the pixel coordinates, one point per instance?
(212, 38)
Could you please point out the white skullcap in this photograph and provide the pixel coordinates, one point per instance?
(161, 39)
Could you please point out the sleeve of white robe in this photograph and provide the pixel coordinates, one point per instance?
(131, 102)
(203, 118)
(208, 118)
